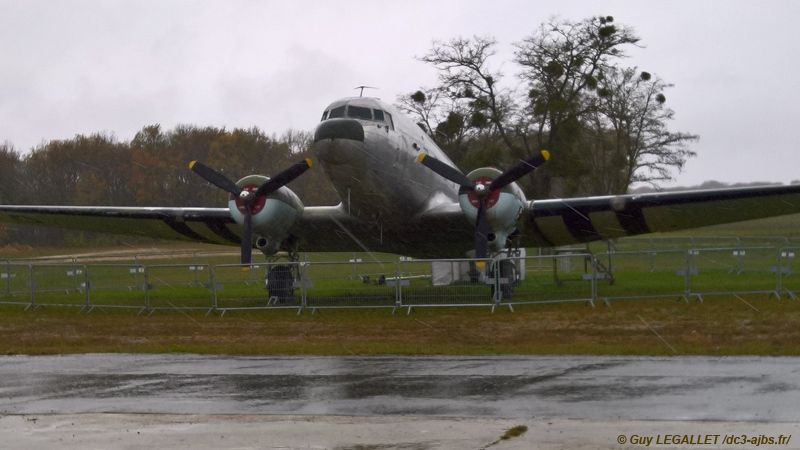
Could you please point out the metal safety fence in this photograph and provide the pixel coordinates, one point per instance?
(565, 276)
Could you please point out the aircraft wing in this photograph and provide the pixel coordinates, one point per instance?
(442, 230)
(212, 225)
(317, 225)
(555, 222)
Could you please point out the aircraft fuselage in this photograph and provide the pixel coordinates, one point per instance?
(374, 171)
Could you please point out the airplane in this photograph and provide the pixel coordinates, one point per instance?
(400, 193)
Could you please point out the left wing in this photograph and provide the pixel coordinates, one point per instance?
(556, 222)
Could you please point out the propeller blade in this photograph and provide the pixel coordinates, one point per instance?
(247, 237)
(212, 176)
(523, 168)
(482, 232)
(283, 178)
(444, 170)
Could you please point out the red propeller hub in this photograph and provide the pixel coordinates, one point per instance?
(490, 199)
(256, 206)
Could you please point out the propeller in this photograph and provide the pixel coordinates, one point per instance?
(248, 198)
(482, 191)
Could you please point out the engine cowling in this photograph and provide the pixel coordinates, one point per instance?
(503, 206)
(273, 215)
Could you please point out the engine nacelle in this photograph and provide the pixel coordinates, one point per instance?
(503, 206)
(273, 215)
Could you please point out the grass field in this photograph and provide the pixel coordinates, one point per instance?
(720, 326)
(724, 324)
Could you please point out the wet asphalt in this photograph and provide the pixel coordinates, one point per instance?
(753, 389)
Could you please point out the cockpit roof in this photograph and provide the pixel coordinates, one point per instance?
(366, 102)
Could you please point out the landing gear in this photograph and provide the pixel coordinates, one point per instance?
(280, 284)
(505, 276)
(281, 277)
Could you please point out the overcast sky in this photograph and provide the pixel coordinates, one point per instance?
(70, 67)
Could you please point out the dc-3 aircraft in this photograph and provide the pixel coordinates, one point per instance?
(401, 194)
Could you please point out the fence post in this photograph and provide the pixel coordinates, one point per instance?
(146, 288)
(87, 286)
(398, 287)
(32, 286)
(687, 281)
(8, 278)
(196, 269)
(498, 290)
(301, 271)
(594, 280)
(612, 249)
(779, 274)
(213, 280)
(790, 254)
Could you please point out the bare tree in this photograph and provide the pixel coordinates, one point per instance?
(632, 120)
(561, 64)
(467, 79)
(561, 105)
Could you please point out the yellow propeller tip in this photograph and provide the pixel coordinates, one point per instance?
(309, 162)
(480, 264)
(191, 164)
(545, 155)
(420, 157)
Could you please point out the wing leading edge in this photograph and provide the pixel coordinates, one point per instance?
(556, 222)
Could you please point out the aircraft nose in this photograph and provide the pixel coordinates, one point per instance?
(339, 129)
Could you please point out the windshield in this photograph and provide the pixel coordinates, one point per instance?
(359, 113)
(336, 112)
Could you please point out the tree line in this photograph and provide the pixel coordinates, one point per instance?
(149, 170)
(605, 124)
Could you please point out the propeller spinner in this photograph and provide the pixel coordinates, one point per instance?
(483, 189)
(248, 198)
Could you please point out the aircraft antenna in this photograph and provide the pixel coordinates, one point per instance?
(361, 94)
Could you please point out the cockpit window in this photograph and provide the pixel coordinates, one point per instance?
(357, 112)
(378, 115)
(324, 115)
(336, 112)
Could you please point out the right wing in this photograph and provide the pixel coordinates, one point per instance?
(210, 225)
(321, 228)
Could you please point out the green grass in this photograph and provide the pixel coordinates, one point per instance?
(751, 325)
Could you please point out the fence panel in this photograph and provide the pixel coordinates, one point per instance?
(568, 275)
(445, 282)
(787, 272)
(15, 283)
(565, 277)
(268, 285)
(643, 274)
(59, 285)
(178, 286)
(352, 284)
(744, 270)
(116, 285)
